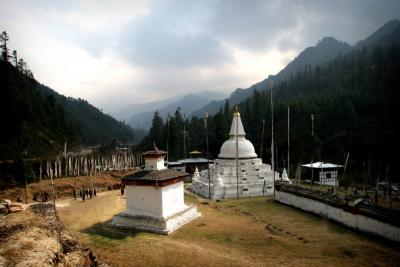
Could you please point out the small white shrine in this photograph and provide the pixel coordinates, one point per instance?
(254, 177)
(325, 173)
(285, 177)
(155, 198)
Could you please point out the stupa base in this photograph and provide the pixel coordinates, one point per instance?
(153, 224)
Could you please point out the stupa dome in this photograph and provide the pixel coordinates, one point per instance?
(245, 147)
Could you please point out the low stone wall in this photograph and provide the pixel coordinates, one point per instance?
(356, 221)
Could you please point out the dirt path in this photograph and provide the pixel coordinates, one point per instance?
(246, 232)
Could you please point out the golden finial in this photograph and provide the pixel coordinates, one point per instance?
(236, 113)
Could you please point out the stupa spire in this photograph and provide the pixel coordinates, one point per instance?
(236, 119)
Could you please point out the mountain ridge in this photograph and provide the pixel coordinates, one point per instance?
(384, 34)
(327, 46)
(188, 103)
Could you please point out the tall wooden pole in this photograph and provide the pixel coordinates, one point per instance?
(312, 150)
(26, 190)
(52, 188)
(364, 180)
(262, 139)
(336, 178)
(40, 181)
(65, 157)
(168, 119)
(386, 180)
(272, 133)
(276, 158)
(184, 138)
(288, 142)
(208, 163)
(237, 151)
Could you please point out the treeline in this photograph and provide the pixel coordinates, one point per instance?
(19, 63)
(355, 103)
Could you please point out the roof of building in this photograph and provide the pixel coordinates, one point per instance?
(174, 163)
(155, 152)
(193, 160)
(245, 147)
(156, 175)
(321, 165)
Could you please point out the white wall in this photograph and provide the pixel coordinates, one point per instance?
(173, 199)
(143, 200)
(159, 202)
(356, 221)
(154, 163)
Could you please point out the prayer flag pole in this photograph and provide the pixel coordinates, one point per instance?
(272, 141)
(237, 151)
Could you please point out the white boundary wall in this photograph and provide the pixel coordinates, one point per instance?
(356, 221)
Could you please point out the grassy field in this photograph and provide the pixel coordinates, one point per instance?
(252, 231)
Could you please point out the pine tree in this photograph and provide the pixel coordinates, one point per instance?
(15, 58)
(4, 49)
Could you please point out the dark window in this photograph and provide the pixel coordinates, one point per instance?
(245, 189)
(328, 175)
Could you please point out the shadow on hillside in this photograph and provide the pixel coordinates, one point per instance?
(103, 230)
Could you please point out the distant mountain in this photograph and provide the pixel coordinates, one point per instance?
(326, 49)
(384, 34)
(127, 112)
(187, 103)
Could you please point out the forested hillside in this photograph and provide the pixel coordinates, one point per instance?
(355, 101)
(32, 123)
(37, 121)
(95, 126)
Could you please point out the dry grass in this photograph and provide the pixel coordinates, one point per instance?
(252, 231)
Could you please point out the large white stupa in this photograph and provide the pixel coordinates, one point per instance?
(237, 153)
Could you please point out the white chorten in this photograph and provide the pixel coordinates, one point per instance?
(254, 177)
(155, 198)
(285, 177)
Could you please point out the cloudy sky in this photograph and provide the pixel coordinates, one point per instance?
(114, 53)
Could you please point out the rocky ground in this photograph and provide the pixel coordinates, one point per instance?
(35, 237)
